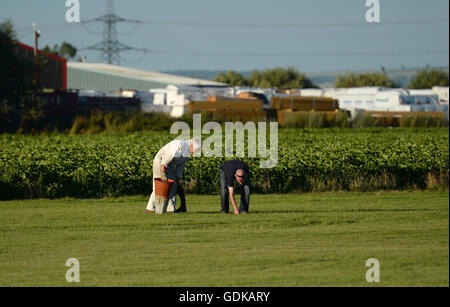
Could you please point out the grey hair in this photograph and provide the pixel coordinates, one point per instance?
(196, 144)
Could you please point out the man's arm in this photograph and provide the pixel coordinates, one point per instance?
(233, 200)
(168, 153)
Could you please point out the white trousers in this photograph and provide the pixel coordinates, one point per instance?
(169, 204)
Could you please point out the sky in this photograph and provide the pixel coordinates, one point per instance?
(242, 35)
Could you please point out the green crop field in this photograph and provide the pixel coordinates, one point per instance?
(311, 239)
(308, 160)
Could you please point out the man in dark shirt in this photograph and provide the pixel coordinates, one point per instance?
(229, 172)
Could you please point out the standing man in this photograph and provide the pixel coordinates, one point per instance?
(169, 163)
(230, 171)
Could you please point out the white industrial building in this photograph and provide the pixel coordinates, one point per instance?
(174, 99)
(442, 93)
(384, 99)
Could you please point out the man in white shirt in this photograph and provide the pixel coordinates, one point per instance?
(169, 163)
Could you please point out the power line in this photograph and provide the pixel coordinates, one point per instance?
(251, 25)
(142, 57)
(271, 25)
(256, 36)
(294, 54)
(248, 36)
(131, 31)
(240, 34)
(90, 31)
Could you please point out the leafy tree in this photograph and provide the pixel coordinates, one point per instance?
(280, 78)
(16, 77)
(7, 28)
(425, 79)
(277, 77)
(66, 50)
(232, 78)
(366, 79)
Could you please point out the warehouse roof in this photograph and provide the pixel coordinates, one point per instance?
(99, 76)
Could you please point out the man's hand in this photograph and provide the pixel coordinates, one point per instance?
(163, 173)
(233, 200)
(164, 177)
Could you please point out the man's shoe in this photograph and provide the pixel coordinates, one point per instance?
(181, 210)
(149, 211)
(223, 212)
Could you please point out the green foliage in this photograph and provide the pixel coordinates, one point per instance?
(278, 77)
(7, 28)
(366, 120)
(423, 121)
(309, 160)
(362, 120)
(232, 78)
(66, 50)
(362, 80)
(426, 79)
(16, 77)
(317, 120)
(35, 121)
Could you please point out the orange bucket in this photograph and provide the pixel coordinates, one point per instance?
(163, 188)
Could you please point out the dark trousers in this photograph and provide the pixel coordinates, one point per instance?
(225, 195)
(180, 192)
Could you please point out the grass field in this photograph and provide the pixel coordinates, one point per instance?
(287, 240)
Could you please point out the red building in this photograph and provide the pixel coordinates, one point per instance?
(53, 69)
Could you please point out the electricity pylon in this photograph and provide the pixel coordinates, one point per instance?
(110, 46)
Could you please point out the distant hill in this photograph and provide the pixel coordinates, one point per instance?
(323, 79)
(201, 74)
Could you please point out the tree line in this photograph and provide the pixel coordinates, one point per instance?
(277, 77)
(291, 78)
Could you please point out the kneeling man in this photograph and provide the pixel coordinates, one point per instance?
(231, 171)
